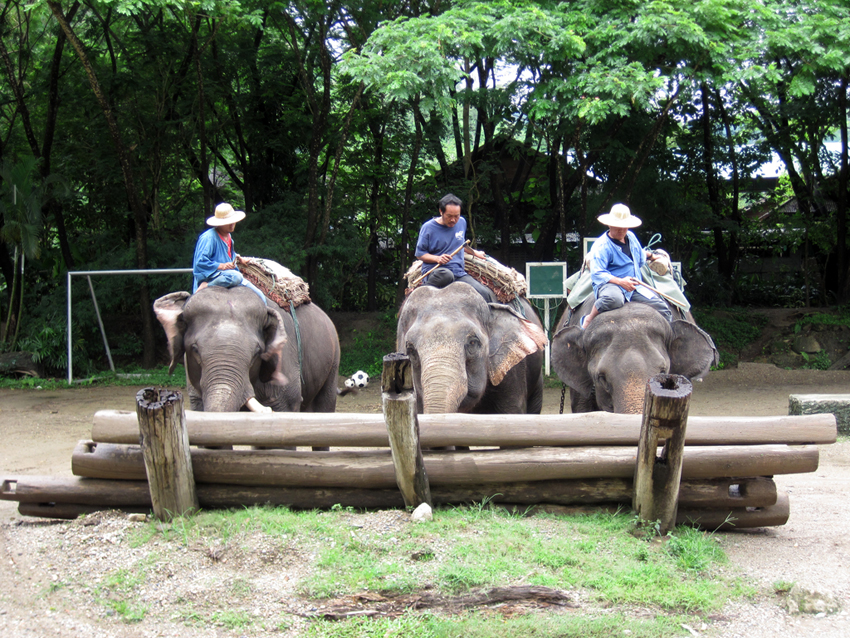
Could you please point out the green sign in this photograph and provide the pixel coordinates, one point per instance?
(546, 279)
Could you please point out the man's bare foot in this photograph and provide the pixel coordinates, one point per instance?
(202, 285)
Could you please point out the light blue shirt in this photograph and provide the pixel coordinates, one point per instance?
(210, 251)
(607, 260)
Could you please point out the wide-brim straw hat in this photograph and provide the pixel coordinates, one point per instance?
(620, 217)
(224, 215)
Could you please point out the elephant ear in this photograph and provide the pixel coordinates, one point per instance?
(274, 336)
(569, 360)
(512, 339)
(692, 351)
(169, 312)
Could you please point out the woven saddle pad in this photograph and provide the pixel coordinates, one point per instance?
(277, 282)
(506, 283)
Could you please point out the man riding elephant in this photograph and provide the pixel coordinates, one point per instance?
(615, 262)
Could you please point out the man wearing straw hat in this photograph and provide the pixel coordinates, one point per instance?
(215, 262)
(615, 262)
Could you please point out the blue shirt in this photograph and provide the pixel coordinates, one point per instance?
(436, 239)
(210, 251)
(608, 260)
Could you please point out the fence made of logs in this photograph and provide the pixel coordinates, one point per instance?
(712, 472)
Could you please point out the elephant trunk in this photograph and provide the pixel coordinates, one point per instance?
(444, 381)
(629, 398)
(225, 389)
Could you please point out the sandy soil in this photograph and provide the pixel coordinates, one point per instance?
(41, 428)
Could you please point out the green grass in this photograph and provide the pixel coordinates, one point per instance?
(133, 376)
(490, 624)
(470, 548)
(732, 330)
(367, 350)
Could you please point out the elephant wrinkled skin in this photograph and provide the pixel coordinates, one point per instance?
(608, 365)
(470, 356)
(239, 352)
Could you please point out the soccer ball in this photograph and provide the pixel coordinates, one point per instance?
(360, 379)
(349, 383)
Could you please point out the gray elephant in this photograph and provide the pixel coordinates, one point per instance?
(240, 353)
(607, 365)
(471, 356)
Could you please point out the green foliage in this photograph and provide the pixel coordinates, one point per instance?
(818, 361)
(732, 330)
(367, 350)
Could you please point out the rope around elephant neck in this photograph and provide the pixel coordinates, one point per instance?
(298, 341)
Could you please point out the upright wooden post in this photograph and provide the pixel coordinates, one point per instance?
(399, 404)
(164, 440)
(657, 478)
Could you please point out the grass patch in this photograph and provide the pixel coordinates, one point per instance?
(122, 377)
(489, 624)
(367, 349)
(466, 548)
(732, 330)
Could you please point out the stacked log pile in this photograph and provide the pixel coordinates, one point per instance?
(728, 463)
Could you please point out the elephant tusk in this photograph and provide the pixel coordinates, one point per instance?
(255, 406)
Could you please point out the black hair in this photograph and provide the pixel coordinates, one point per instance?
(449, 200)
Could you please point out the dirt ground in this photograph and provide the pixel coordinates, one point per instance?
(41, 428)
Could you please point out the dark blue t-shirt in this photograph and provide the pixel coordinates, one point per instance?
(436, 239)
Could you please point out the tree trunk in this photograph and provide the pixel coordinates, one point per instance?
(404, 248)
(124, 160)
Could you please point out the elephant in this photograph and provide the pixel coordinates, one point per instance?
(239, 353)
(607, 365)
(471, 356)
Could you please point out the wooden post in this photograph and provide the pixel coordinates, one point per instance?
(164, 440)
(399, 404)
(657, 478)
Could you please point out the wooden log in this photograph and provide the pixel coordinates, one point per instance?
(838, 405)
(399, 406)
(657, 476)
(110, 493)
(340, 429)
(738, 518)
(374, 470)
(165, 447)
(771, 516)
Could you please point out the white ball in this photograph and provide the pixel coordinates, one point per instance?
(360, 378)
(349, 383)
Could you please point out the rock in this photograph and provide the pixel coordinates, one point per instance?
(806, 599)
(806, 343)
(137, 518)
(836, 404)
(422, 514)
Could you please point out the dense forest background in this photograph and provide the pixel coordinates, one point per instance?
(337, 126)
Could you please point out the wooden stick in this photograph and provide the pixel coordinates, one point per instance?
(657, 478)
(399, 406)
(451, 254)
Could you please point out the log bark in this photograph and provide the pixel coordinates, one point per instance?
(374, 469)
(657, 476)
(738, 518)
(165, 448)
(340, 429)
(399, 407)
(100, 494)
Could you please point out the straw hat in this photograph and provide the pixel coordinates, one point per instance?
(224, 215)
(620, 217)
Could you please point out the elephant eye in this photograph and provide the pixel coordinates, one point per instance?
(473, 344)
(601, 380)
